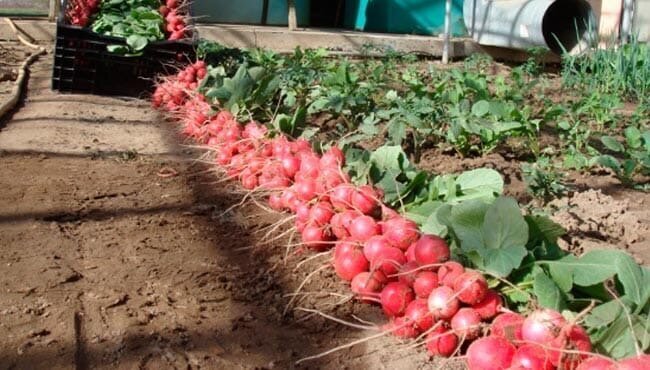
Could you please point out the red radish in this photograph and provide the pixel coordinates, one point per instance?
(596, 363)
(532, 357)
(249, 181)
(302, 212)
(431, 249)
(403, 328)
(368, 284)
(641, 362)
(442, 303)
(340, 223)
(466, 323)
(172, 4)
(344, 247)
(364, 200)
(341, 196)
(334, 157)
(388, 260)
(305, 189)
(490, 353)
(373, 245)
(410, 253)
(508, 325)
(571, 337)
(489, 306)
(407, 273)
(309, 165)
(425, 282)
(315, 237)
(400, 232)
(471, 287)
(163, 10)
(333, 177)
(290, 164)
(542, 326)
(350, 264)
(388, 213)
(363, 227)
(418, 312)
(395, 297)
(441, 342)
(321, 213)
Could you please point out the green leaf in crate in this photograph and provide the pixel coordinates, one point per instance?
(547, 292)
(612, 144)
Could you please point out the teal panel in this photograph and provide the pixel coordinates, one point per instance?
(248, 11)
(422, 17)
(278, 12)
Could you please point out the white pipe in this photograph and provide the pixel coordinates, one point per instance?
(447, 36)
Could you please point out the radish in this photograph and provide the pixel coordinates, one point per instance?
(571, 337)
(275, 202)
(596, 363)
(373, 245)
(425, 282)
(305, 189)
(388, 260)
(290, 165)
(340, 223)
(334, 157)
(368, 284)
(315, 237)
(401, 327)
(508, 325)
(441, 342)
(418, 312)
(302, 212)
(407, 274)
(363, 227)
(431, 249)
(410, 253)
(349, 264)
(344, 247)
(489, 306)
(309, 165)
(490, 353)
(542, 326)
(400, 232)
(471, 287)
(395, 297)
(364, 199)
(641, 362)
(341, 197)
(321, 213)
(466, 323)
(532, 357)
(442, 303)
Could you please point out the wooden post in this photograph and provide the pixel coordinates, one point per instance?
(293, 21)
(54, 10)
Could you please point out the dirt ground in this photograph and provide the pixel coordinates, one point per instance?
(109, 263)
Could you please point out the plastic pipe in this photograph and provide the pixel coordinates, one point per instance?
(522, 24)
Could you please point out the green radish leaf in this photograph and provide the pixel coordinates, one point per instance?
(466, 219)
(612, 144)
(298, 119)
(481, 183)
(504, 226)
(633, 137)
(603, 314)
(480, 108)
(503, 260)
(631, 276)
(397, 131)
(592, 268)
(547, 292)
(282, 123)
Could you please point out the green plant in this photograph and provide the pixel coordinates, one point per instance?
(633, 154)
(543, 180)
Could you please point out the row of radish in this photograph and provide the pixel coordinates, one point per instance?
(383, 255)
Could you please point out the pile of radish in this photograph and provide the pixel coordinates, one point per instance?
(79, 12)
(176, 20)
(387, 260)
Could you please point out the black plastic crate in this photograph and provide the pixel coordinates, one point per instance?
(83, 64)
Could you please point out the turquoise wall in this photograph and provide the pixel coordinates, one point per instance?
(422, 17)
(248, 11)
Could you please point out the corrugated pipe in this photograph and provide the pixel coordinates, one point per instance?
(522, 24)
